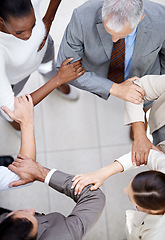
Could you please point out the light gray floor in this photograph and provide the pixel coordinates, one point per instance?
(74, 137)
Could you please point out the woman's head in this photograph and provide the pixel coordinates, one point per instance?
(17, 17)
(147, 190)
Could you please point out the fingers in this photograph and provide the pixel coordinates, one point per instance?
(155, 148)
(75, 180)
(13, 168)
(81, 73)
(17, 183)
(96, 186)
(68, 60)
(133, 157)
(140, 90)
(8, 112)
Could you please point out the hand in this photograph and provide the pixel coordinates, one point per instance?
(69, 72)
(80, 181)
(28, 170)
(128, 91)
(23, 111)
(47, 27)
(140, 150)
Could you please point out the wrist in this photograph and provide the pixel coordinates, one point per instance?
(138, 129)
(58, 80)
(113, 89)
(42, 173)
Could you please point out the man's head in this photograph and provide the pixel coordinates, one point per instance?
(19, 225)
(146, 191)
(17, 18)
(121, 17)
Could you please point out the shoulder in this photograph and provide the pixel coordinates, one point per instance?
(89, 11)
(154, 10)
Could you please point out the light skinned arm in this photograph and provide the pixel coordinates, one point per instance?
(141, 145)
(156, 161)
(154, 87)
(128, 91)
(96, 178)
(24, 115)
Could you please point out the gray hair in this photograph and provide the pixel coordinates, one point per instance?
(117, 13)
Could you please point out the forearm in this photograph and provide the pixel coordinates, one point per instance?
(51, 11)
(28, 145)
(138, 130)
(110, 170)
(45, 90)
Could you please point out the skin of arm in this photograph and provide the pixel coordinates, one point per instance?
(89, 204)
(28, 170)
(66, 73)
(24, 115)
(49, 17)
(96, 178)
(128, 91)
(141, 145)
(154, 86)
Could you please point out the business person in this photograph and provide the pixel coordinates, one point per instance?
(26, 224)
(117, 41)
(26, 46)
(145, 191)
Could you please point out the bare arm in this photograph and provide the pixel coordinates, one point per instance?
(66, 73)
(48, 18)
(24, 115)
(96, 178)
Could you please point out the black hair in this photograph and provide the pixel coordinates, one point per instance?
(16, 229)
(149, 190)
(15, 8)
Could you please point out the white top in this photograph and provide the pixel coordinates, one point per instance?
(140, 225)
(19, 58)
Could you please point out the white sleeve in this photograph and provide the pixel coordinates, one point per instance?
(6, 92)
(156, 161)
(48, 177)
(154, 87)
(6, 177)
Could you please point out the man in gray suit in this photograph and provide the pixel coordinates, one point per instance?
(26, 224)
(94, 28)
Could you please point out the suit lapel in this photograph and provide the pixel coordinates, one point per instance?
(42, 225)
(142, 38)
(105, 37)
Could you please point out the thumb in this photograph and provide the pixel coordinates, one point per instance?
(96, 186)
(155, 148)
(17, 183)
(68, 60)
(7, 111)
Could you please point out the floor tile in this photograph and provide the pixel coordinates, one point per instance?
(70, 125)
(110, 116)
(117, 201)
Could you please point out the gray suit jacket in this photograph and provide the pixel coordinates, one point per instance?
(85, 37)
(89, 206)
